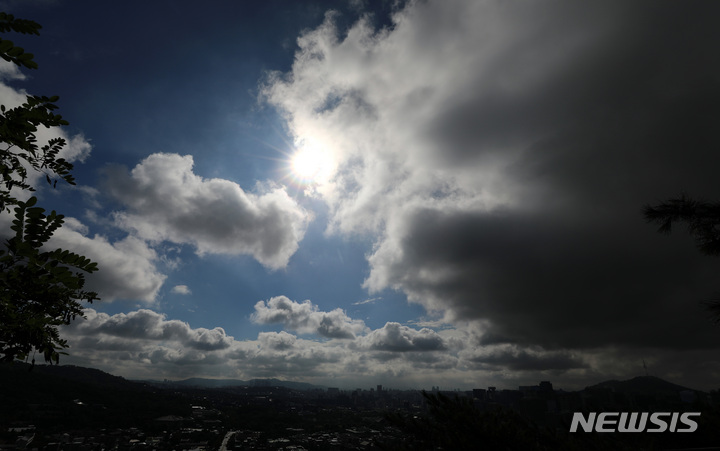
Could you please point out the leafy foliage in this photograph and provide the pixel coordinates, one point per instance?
(38, 289)
(9, 51)
(703, 222)
(455, 423)
(702, 219)
(17, 131)
(19, 125)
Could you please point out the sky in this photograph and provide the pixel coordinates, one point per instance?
(407, 193)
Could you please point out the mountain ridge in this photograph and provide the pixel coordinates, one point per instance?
(93, 376)
(201, 382)
(643, 385)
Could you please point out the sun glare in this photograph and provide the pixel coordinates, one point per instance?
(311, 164)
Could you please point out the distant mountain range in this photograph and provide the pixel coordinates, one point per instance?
(199, 382)
(20, 374)
(97, 377)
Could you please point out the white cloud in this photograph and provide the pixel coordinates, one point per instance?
(367, 301)
(373, 98)
(305, 318)
(277, 340)
(127, 268)
(165, 200)
(10, 71)
(145, 343)
(181, 289)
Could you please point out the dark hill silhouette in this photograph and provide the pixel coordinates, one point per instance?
(66, 396)
(644, 385)
(61, 381)
(85, 375)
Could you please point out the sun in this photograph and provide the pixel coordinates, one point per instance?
(311, 164)
(307, 162)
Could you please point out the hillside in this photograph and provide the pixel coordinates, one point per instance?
(62, 396)
(643, 385)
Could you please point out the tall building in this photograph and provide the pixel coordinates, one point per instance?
(546, 386)
(478, 393)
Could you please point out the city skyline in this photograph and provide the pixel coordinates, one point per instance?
(395, 193)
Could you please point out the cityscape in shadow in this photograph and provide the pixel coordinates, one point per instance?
(69, 408)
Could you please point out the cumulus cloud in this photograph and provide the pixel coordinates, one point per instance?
(165, 200)
(149, 325)
(127, 267)
(145, 343)
(305, 318)
(500, 155)
(398, 338)
(277, 340)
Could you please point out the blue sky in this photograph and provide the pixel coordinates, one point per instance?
(408, 193)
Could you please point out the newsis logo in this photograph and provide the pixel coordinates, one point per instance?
(635, 422)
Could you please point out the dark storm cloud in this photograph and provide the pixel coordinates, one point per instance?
(511, 150)
(615, 99)
(621, 119)
(559, 283)
(523, 360)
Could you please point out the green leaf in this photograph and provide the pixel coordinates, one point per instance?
(15, 51)
(5, 45)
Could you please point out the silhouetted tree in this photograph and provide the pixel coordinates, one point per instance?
(455, 423)
(703, 222)
(39, 289)
(18, 126)
(702, 219)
